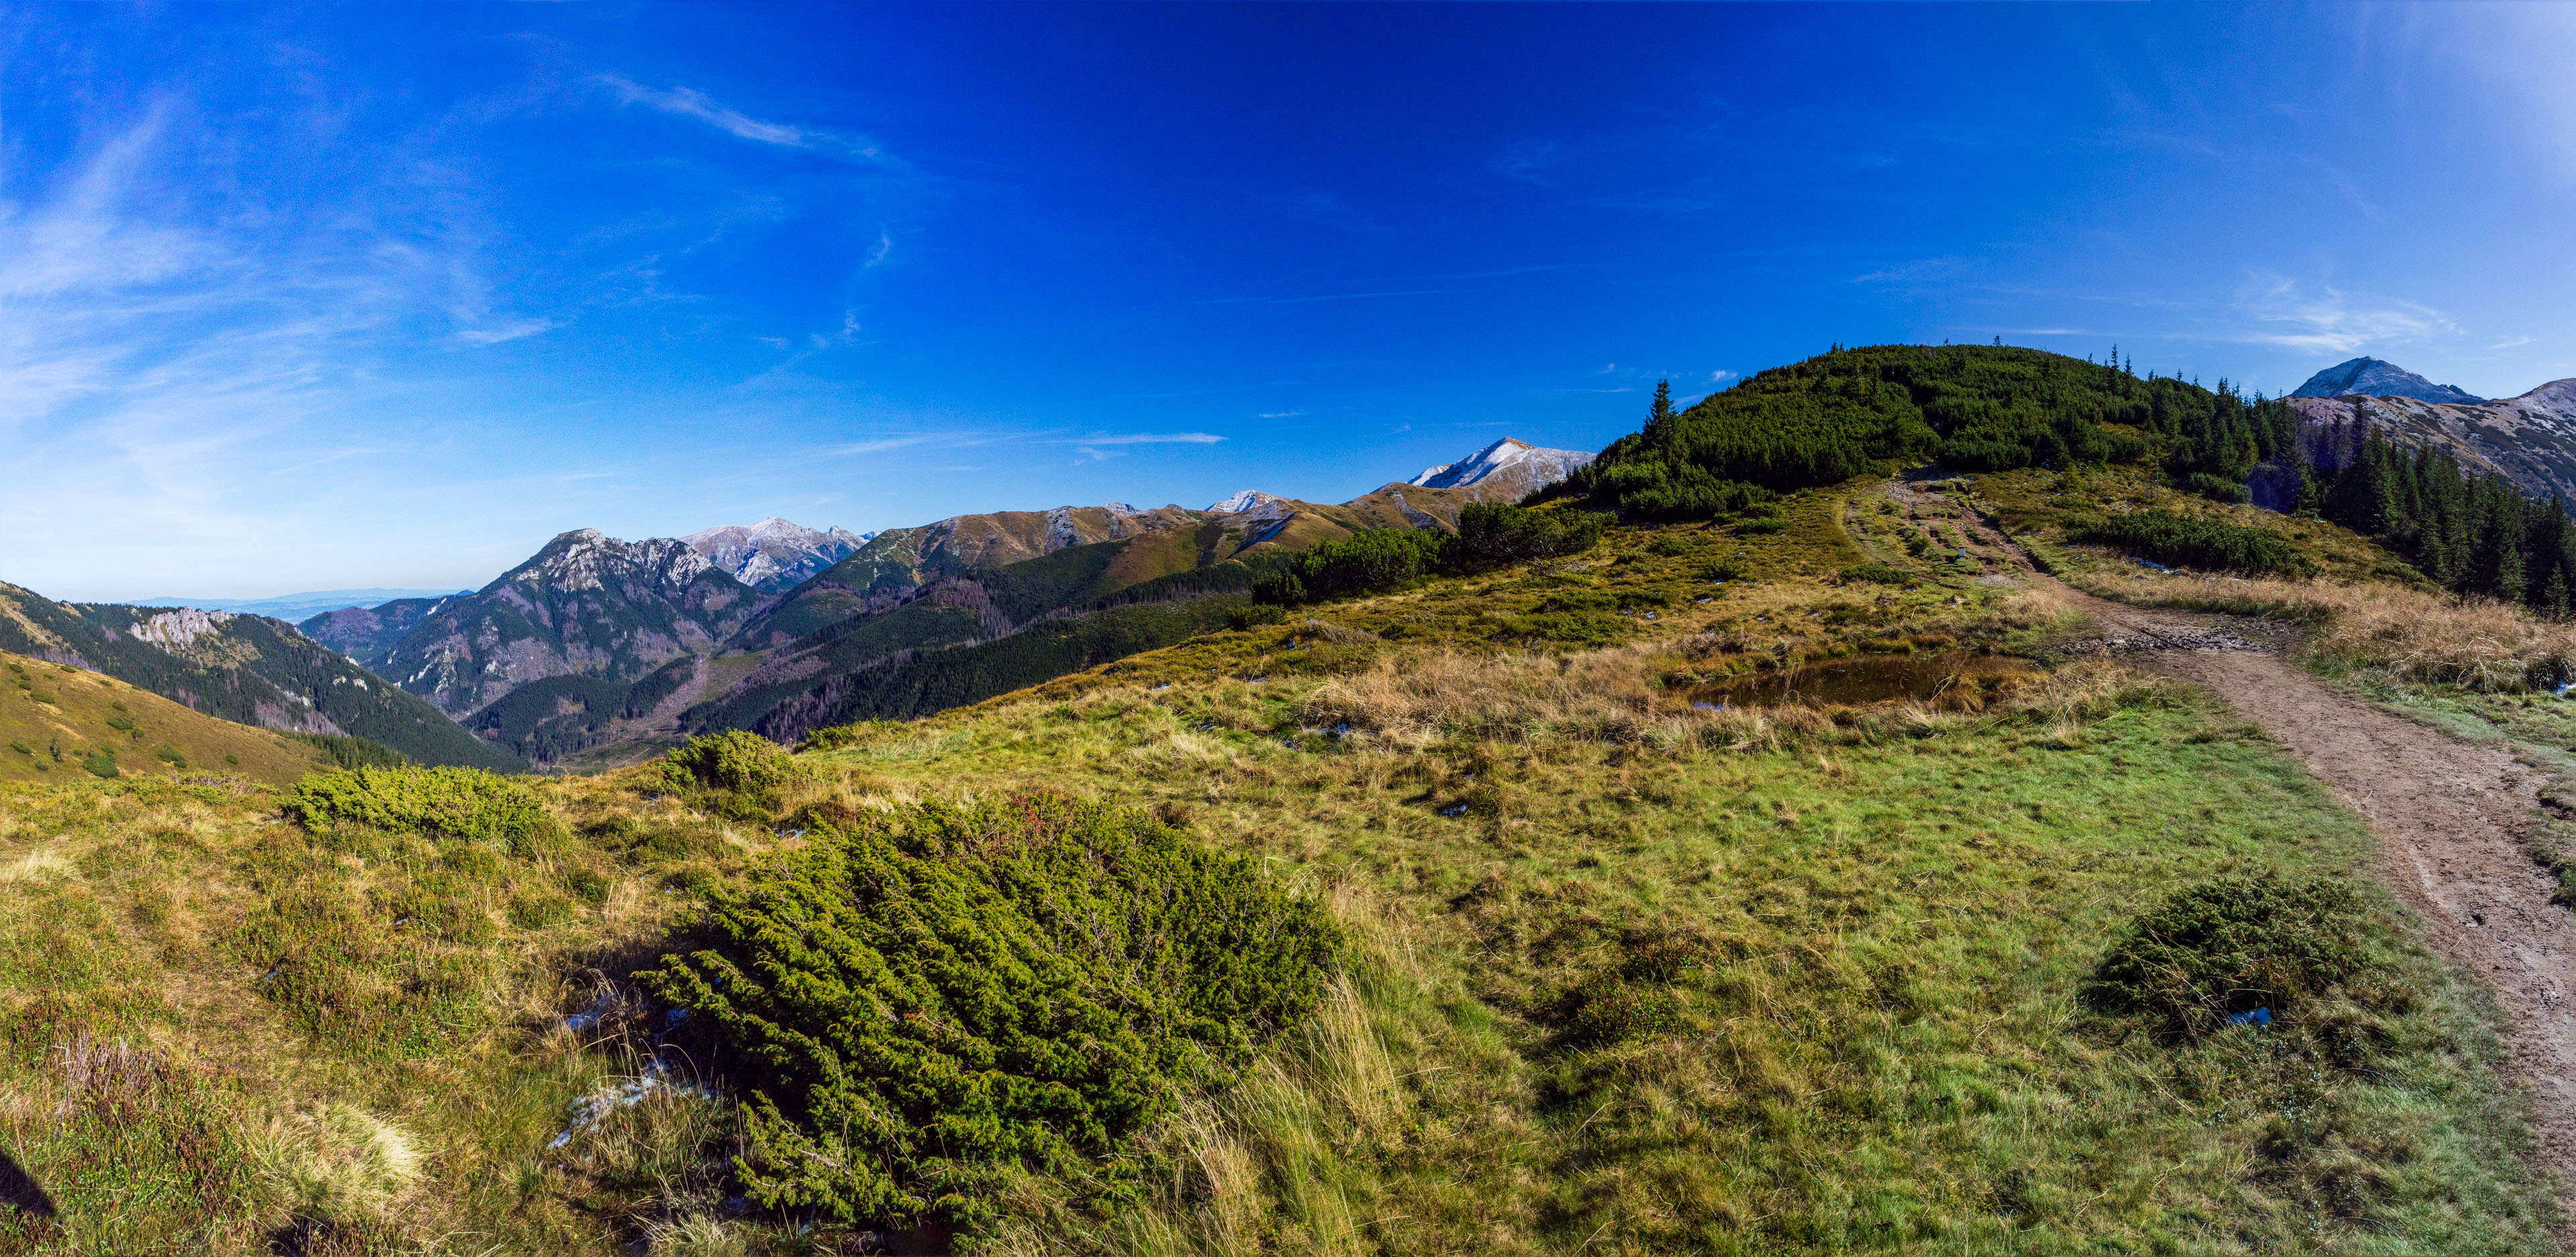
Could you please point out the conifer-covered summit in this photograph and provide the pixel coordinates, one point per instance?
(1853, 412)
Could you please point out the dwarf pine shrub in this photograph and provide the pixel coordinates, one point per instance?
(2202, 543)
(933, 999)
(2232, 945)
(466, 803)
(735, 760)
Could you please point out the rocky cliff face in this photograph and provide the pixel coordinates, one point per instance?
(2372, 377)
(774, 555)
(2529, 440)
(588, 605)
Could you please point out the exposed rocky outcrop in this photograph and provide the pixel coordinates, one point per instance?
(774, 554)
(2529, 440)
(2373, 377)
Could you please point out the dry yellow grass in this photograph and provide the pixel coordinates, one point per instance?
(1642, 694)
(2437, 638)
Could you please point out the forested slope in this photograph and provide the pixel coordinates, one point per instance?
(244, 668)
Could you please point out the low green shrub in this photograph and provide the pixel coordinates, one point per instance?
(536, 910)
(2203, 543)
(1722, 572)
(1380, 558)
(931, 1000)
(464, 803)
(101, 763)
(2229, 946)
(1874, 573)
(21, 747)
(122, 724)
(735, 760)
(1493, 534)
(1580, 600)
(1254, 615)
(43, 697)
(347, 752)
(1580, 628)
(1615, 1012)
(1761, 527)
(587, 886)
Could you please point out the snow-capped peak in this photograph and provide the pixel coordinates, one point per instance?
(1547, 466)
(1241, 502)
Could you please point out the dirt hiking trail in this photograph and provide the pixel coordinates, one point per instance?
(2449, 815)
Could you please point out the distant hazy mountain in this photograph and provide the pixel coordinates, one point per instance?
(586, 605)
(2529, 440)
(292, 607)
(244, 668)
(1507, 463)
(2372, 377)
(774, 554)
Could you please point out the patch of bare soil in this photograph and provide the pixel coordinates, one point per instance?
(2449, 815)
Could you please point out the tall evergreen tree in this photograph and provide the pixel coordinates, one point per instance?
(1659, 417)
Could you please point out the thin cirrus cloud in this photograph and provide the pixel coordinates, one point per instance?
(1155, 438)
(688, 102)
(691, 103)
(2326, 320)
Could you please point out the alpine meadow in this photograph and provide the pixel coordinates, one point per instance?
(1617, 766)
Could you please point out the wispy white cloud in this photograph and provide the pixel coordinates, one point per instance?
(880, 445)
(2511, 342)
(2326, 320)
(1283, 414)
(513, 329)
(689, 102)
(1155, 438)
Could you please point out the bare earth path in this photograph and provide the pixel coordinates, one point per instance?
(2448, 815)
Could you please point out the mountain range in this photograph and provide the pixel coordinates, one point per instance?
(2374, 377)
(291, 607)
(598, 649)
(248, 669)
(774, 554)
(2529, 440)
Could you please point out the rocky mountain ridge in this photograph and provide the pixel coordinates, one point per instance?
(2530, 440)
(774, 554)
(586, 604)
(247, 669)
(2375, 377)
(599, 643)
(1523, 466)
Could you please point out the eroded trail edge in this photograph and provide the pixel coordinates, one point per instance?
(2449, 815)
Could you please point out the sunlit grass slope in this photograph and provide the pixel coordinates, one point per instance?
(57, 723)
(1630, 968)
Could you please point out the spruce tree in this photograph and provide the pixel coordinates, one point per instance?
(1659, 417)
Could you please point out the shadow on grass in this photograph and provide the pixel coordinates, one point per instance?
(19, 1188)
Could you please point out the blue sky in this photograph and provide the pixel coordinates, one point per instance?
(329, 296)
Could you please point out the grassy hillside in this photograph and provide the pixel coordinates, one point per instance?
(243, 668)
(1626, 958)
(58, 723)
